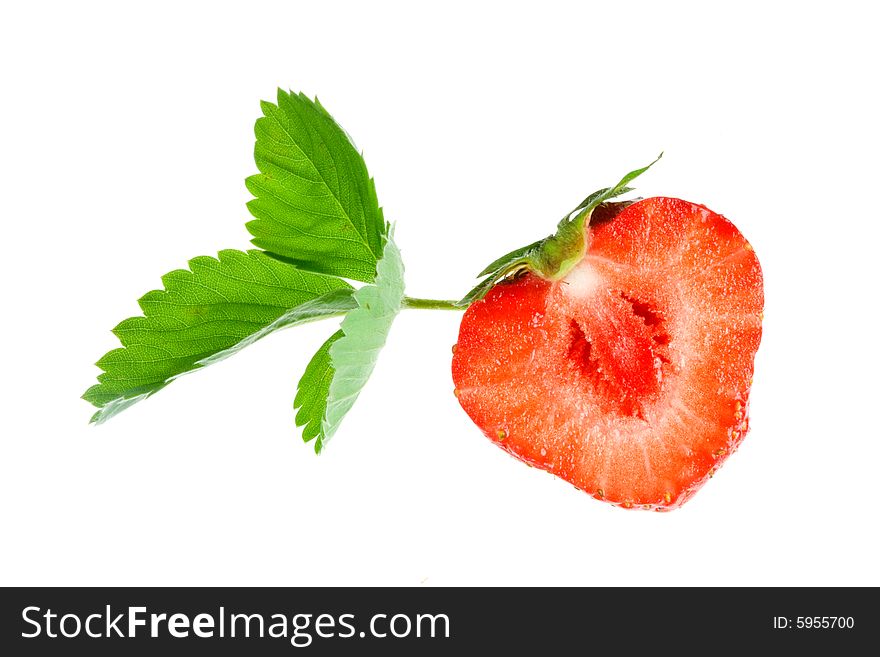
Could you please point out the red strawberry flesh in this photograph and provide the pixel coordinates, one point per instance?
(630, 376)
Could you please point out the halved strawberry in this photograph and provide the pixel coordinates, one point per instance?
(628, 376)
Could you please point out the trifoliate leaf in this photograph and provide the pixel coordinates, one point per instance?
(315, 202)
(204, 314)
(352, 355)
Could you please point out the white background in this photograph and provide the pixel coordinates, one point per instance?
(125, 138)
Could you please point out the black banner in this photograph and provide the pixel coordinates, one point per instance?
(276, 621)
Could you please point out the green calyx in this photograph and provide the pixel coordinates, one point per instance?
(554, 256)
(559, 252)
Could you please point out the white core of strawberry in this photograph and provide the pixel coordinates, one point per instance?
(581, 282)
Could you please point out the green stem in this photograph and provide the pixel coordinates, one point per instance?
(430, 304)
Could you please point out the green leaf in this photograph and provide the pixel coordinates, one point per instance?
(333, 304)
(205, 314)
(352, 355)
(555, 255)
(315, 204)
(312, 392)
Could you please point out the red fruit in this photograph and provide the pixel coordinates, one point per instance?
(630, 376)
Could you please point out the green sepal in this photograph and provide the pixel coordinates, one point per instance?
(554, 256)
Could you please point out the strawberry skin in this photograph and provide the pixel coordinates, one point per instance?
(629, 377)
